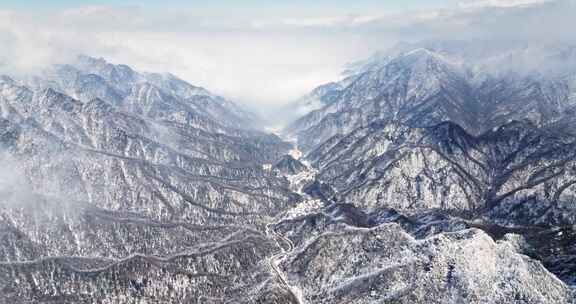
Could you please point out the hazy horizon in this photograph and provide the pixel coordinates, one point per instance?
(257, 53)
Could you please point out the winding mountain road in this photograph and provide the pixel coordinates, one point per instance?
(274, 260)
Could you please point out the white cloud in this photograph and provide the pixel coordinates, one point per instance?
(343, 21)
(498, 3)
(253, 67)
(28, 43)
(259, 66)
(261, 61)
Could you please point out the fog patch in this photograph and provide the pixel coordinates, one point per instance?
(15, 188)
(264, 65)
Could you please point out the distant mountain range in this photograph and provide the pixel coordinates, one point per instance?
(480, 134)
(423, 85)
(127, 185)
(434, 172)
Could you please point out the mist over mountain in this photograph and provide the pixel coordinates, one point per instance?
(426, 83)
(273, 156)
(121, 186)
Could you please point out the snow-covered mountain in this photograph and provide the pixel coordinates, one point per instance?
(154, 95)
(125, 187)
(127, 193)
(441, 137)
(428, 84)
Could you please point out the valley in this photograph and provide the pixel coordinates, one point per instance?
(421, 177)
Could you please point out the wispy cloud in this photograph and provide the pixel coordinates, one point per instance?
(498, 3)
(316, 22)
(258, 60)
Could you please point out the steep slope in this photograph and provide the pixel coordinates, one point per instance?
(158, 96)
(443, 166)
(441, 137)
(386, 265)
(425, 86)
(101, 204)
(127, 187)
(344, 255)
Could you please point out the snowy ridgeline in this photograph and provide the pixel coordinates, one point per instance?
(128, 187)
(350, 265)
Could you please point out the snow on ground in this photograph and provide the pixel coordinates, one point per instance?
(303, 208)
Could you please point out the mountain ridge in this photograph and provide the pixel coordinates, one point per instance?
(129, 187)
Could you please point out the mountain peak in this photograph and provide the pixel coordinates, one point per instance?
(6, 80)
(421, 52)
(52, 99)
(98, 106)
(116, 73)
(423, 56)
(90, 59)
(289, 165)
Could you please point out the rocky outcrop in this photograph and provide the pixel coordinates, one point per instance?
(428, 84)
(127, 187)
(288, 165)
(104, 202)
(386, 265)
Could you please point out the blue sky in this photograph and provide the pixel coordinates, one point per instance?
(244, 6)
